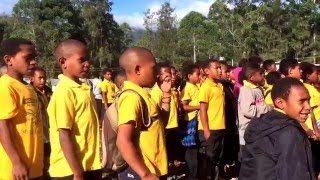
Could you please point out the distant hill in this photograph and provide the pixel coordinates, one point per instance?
(136, 35)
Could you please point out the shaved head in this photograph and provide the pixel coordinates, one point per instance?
(67, 48)
(134, 56)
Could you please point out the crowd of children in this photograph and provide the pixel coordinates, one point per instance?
(216, 120)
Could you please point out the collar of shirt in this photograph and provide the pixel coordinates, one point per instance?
(131, 85)
(71, 83)
(249, 84)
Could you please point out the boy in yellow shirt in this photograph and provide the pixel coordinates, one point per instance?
(172, 139)
(145, 154)
(212, 119)
(191, 107)
(108, 88)
(74, 127)
(21, 131)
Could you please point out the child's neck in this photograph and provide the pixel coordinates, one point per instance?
(194, 83)
(212, 79)
(15, 75)
(257, 84)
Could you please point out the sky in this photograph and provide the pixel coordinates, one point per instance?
(131, 11)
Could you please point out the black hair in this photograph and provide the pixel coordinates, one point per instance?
(189, 69)
(307, 69)
(200, 64)
(12, 46)
(37, 68)
(267, 63)
(242, 62)
(286, 64)
(105, 70)
(282, 88)
(227, 65)
(255, 60)
(272, 77)
(250, 68)
(162, 65)
(207, 63)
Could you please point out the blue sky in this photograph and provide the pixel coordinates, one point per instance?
(131, 11)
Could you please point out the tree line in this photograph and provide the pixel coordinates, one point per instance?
(233, 29)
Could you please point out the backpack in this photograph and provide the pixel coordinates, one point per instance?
(111, 121)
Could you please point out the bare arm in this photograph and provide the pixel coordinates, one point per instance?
(204, 119)
(68, 149)
(129, 152)
(105, 99)
(188, 108)
(20, 170)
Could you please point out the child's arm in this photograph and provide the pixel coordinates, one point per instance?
(105, 99)
(188, 108)
(130, 153)
(248, 106)
(20, 170)
(204, 119)
(66, 142)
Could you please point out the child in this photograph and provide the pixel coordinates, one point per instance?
(73, 118)
(108, 88)
(191, 107)
(290, 68)
(310, 78)
(145, 154)
(276, 145)
(21, 130)
(231, 139)
(172, 140)
(38, 81)
(119, 80)
(271, 79)
(269, 66)
(251, 102)
(212, 119)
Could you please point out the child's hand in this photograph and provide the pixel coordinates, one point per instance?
(20, 171)
(206, 134)
(165, 84)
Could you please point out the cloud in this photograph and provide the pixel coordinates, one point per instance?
(182, 8)
(6, 6)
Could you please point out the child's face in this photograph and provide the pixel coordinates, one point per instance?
(194, 78)
(313, 77)
(39, 79)
(23, 61)
(173, 75)
(258, 78)
(77, 65)
(295, 72)
(272, 68)
(297, 105)
(108, 76)
(214, 70)
(224, 72)
(165, 73)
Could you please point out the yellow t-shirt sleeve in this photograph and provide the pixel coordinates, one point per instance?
(204, 94)
(156, 95)
(9, 108)
(185, 95)
(128, 108)
(64, 111)
(103, 87)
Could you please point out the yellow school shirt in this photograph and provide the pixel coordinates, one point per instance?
(212, 93)
(110, 88)
(156, 95)
(73, 107)
(151, 141)
(314, 103)
(190, 93)
(267, 94)
(20, 106)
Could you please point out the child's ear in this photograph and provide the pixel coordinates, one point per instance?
(189, 75)
(7, 60)
(137, 69)
(206, 71)
(279, 103)
(62, 62)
